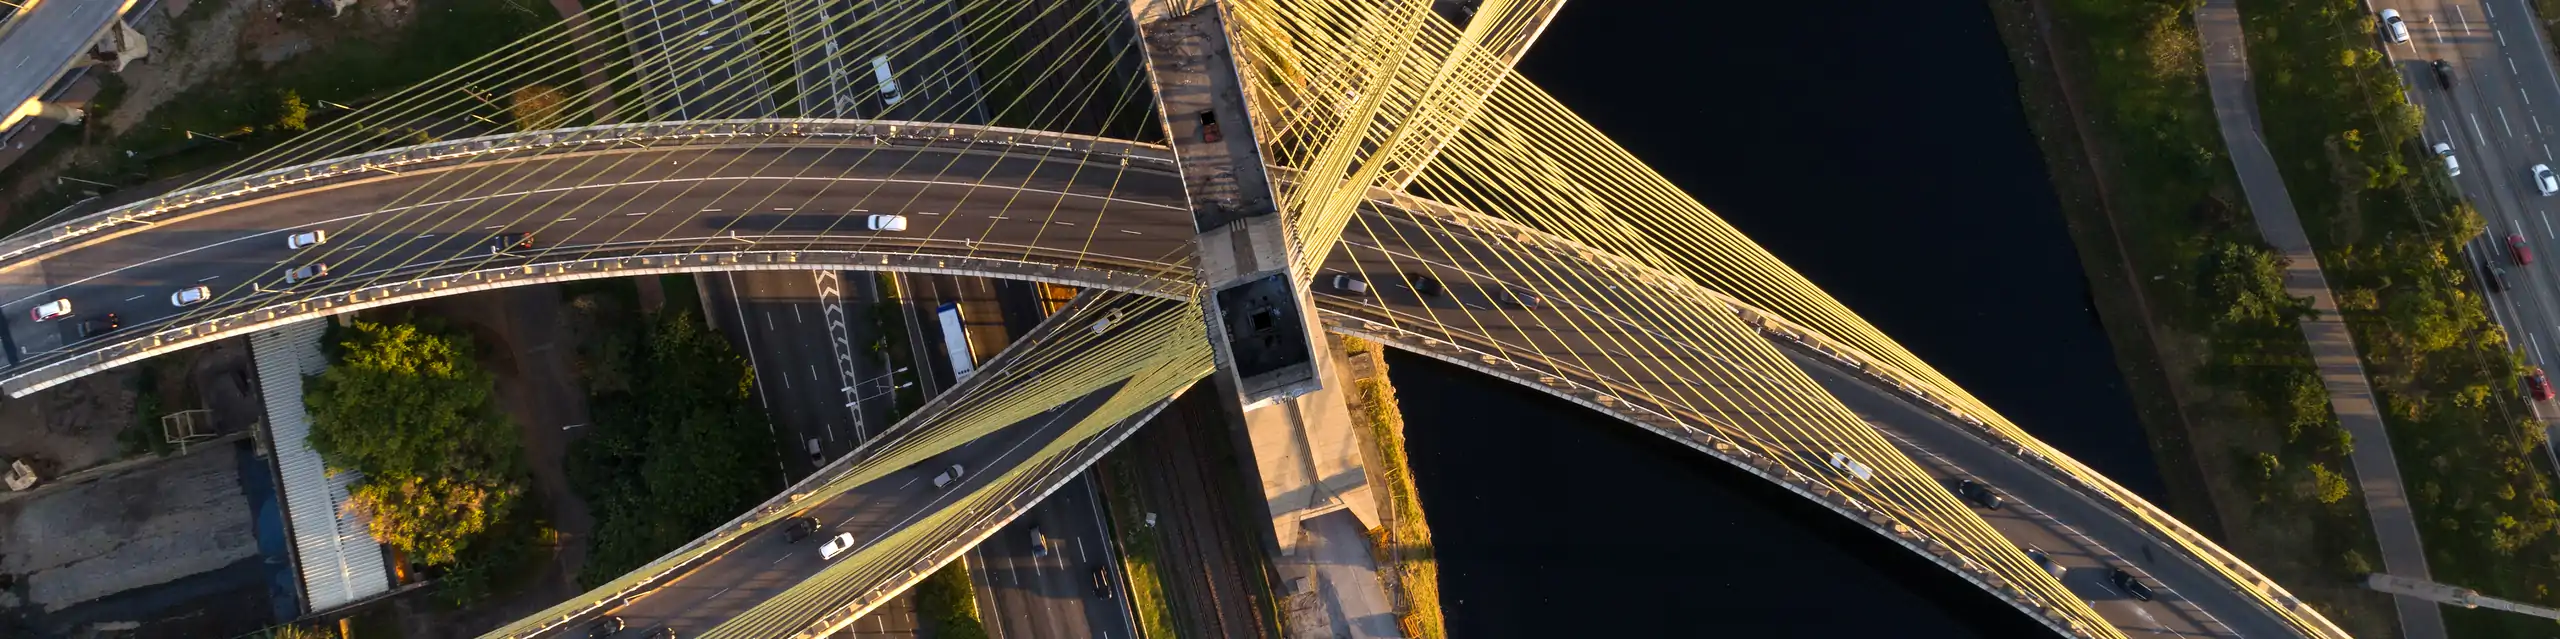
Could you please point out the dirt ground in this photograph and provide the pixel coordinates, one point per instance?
(148, 525)
(72, 426)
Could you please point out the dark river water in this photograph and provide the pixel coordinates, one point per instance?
(1879, 149)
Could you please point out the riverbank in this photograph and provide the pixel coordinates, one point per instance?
(1402, 543)
(2188, 296)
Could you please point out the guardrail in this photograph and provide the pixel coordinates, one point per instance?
(434, 154)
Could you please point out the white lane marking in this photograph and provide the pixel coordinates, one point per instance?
(2537, 348)
(1064, 223)
(927, 213)
(723, 591)
(208, 278)
(778, 560)
(2448, 129)
(2546, 227)
(782, 208)
(136, 297)
(795, 314)
(713, 210)
(2476, 135)
(1080, 554)
(2502, 121)
(998, 217)
(1131, 232)
(568, 219)
(493, 227)
(813, 373)
(768, 321)
(635, 214)
(2492, 11)
(910, 482)
(2465, 19)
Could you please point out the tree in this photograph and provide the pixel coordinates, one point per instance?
(538, 107)
(402, 402)
(681, 450)
(2246, 282)
(2327, 486)
(291, 113)
(432, 519)
(409, 410)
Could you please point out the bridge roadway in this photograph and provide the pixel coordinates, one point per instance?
(42, 42)
(996, 202)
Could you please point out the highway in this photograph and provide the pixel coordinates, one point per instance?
(1028, 594)
(1026, 206)
(699, 59)
(41, 42)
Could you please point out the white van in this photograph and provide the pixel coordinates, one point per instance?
(888, 80)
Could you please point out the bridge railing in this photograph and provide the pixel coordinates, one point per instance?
(178, 204)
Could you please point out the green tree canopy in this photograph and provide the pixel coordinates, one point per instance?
(410, 411)
(432, 519)
(684, 449)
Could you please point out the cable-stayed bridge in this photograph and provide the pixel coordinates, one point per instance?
(1163, 152)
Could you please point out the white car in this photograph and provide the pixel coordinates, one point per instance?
(306, 238)
(1841, 462)
(307, 272)
(2391, 24)
(2451, 166)
(2544, 181)
(888, 80)
(951, 475)
(888, 222)
(842, 543)
(1108, 320)
(190, 295)
(51, 310)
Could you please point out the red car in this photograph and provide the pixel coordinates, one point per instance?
(2516, 247)
(2537, 385)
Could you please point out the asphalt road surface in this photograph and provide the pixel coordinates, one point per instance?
(1051, 591)
(1099, 214)
(44, 42)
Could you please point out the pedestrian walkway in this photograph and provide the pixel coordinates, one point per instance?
(2333, 349)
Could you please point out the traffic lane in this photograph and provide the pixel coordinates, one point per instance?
(1051, 594)
(2183, 590)
(756, 300)
(762, 565)
(231, 255)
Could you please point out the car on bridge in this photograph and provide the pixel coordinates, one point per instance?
(2444, 75)
(308, 272)
(837, 547)
(2046, 562)
(799, 528)
(949, 475)
(2132, 587)
(1516, 298)
(1423, 284)
(891, 223)
(1348, 284)
(661, 632)
(1102, 582)
(2493, 275)
(2393, 27)
(2544, 181)
(297, 241)
(190, 296)
(2538, 386)
(97, 326)
(2451, 166)
(2519, 251)
(1979, 494)
(605, 627)
(1851, 467)
(506, 242)
(56, 309)
(1039, 543)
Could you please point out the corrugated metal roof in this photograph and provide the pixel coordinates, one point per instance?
(340, 561)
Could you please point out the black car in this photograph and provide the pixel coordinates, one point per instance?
(505, 242)
(1102, 582)
(2124, 581)
(604, 628)
(1979, 494)
(662, 632)
(2494, 276)
(1423, 285)
(2444, 75)
(100, 325)
(1516, 298)
(799, 529)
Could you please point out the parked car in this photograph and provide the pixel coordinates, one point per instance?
(2046, 562)
(1423, 284)
(190, 295)
(1349, 284)
(1979, 494)
(306, 238)
(1039, 543)
(2519, 251)
(1851, 467)
(1102, 582)
(2126, 582)
(2393, 27)
(308, 272)
(949, 475)
(2444, 75)
(506, 242)
(2451, 166)
(2537, 385)
(100, 325)
(605, 627)
(891, 223)
(51, 310)
(2544, 181)
(836, 547)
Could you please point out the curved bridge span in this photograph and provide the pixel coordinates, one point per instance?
(414, 223)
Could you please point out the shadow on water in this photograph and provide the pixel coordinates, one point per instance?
(1554, 521)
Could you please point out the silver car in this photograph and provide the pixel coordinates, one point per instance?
(306, 238)
(190, 296)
